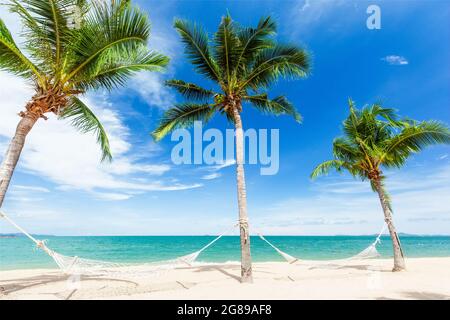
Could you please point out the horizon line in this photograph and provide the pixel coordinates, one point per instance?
(4, 235)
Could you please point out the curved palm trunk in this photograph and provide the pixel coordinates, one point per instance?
(14, 151)
(246, 260)
(399, 260)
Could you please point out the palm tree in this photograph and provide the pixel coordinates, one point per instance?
(242, 62)
(375, 139)
(72, 46)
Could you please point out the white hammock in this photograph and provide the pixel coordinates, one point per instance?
(286, 256)
(77, 265)
(368, 253)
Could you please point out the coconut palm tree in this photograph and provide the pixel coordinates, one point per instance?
(242, 63)
(375, 139)
(72, 46)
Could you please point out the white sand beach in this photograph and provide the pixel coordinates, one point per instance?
(426, 278)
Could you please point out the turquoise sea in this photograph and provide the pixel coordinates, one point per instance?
(20, 253)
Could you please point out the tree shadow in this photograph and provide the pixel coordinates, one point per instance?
(361, 267)
(221, 269)
(421, 295)
(15, 285)
(418, 295)
(365, 268)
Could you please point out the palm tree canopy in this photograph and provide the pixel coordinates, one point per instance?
(76, 45)
(374, 137)
(242, 62)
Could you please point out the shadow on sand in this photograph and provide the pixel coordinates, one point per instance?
(417, 295)
(15, 285)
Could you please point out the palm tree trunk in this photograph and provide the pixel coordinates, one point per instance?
(246, 260)
(14, 150)
(399, 260)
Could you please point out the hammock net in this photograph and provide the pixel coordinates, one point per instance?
(78, 265)
(370, 252)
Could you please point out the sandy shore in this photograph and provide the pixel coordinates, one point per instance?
(426, 278)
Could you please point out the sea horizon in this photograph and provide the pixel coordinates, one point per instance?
(21, 253)
(16, 235)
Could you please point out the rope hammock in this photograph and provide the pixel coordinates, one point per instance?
(77, 265)
(368, 253)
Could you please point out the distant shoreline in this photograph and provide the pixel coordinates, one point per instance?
(215, 235)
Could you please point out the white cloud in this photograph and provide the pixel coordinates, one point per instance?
(30, 188)
(151, 88)
(226, 163)
(307, 15)
(24, 199)
(211, 176)
(111, 196)
(56, 151)
(306, 5)
(124, 166)
(395, 60)
(213, 170)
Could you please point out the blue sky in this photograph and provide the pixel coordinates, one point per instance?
(60, 187)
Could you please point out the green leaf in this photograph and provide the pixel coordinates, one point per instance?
(346, 150)
(12, 59)
(226, 48)
(413, 139)
(47, 28)
(116, 66)
(278, 106)
(197, 48)
(254, 40)
(280, 61)
(325, 167)
(83, 119)
(182, 116)
(107, 30)
(190, 90)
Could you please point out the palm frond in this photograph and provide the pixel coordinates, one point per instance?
(345, 150)
(325, 167)
(377, 110)
(280, 61)
(182, 116)
(107, 29)
(47, 27)
(190, 91)
(37, 44)
(277, 106)
(226, 48)
(12, 59)
(412, 139)
(116, 66)
(197, 48)
(350, 124)
(83, 119)
(253, 40)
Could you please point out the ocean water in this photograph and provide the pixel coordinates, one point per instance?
(20, 253)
